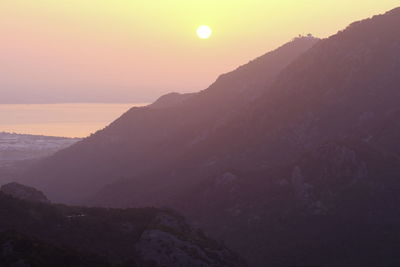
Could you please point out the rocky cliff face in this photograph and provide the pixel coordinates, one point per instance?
(329, 208)
(170, 242)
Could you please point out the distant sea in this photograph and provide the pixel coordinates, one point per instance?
(66, 120)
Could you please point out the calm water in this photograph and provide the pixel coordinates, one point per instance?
(69, 120)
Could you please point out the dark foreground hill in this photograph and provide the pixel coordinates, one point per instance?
(293, 158)
(18, 250)
(39, 234)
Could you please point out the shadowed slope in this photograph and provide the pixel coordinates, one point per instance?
(308, 173)
(147, 140)
(344, 86)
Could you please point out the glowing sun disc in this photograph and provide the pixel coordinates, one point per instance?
(204, 32)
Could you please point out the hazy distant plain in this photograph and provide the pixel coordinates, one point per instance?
(67, 120)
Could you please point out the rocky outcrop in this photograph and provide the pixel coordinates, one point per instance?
(147, 237)
(24, 192)
(170, 241)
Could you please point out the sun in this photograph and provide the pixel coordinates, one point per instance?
(204, 32)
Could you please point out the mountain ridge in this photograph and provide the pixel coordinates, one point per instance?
(140, 134)
(299, 168)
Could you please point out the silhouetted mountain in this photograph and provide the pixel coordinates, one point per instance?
(293, 159)
(45, 235)
(146, 139)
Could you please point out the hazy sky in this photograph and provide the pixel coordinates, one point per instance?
(135, 50)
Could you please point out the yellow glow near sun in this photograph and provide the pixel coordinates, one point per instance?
(204, 32)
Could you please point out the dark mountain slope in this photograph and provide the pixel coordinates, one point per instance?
(308, 173)
(345, 86)
(132, 237)
(336, 206)
(316, 200)
(147, 140)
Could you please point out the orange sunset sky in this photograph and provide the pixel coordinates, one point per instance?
(135, 50)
